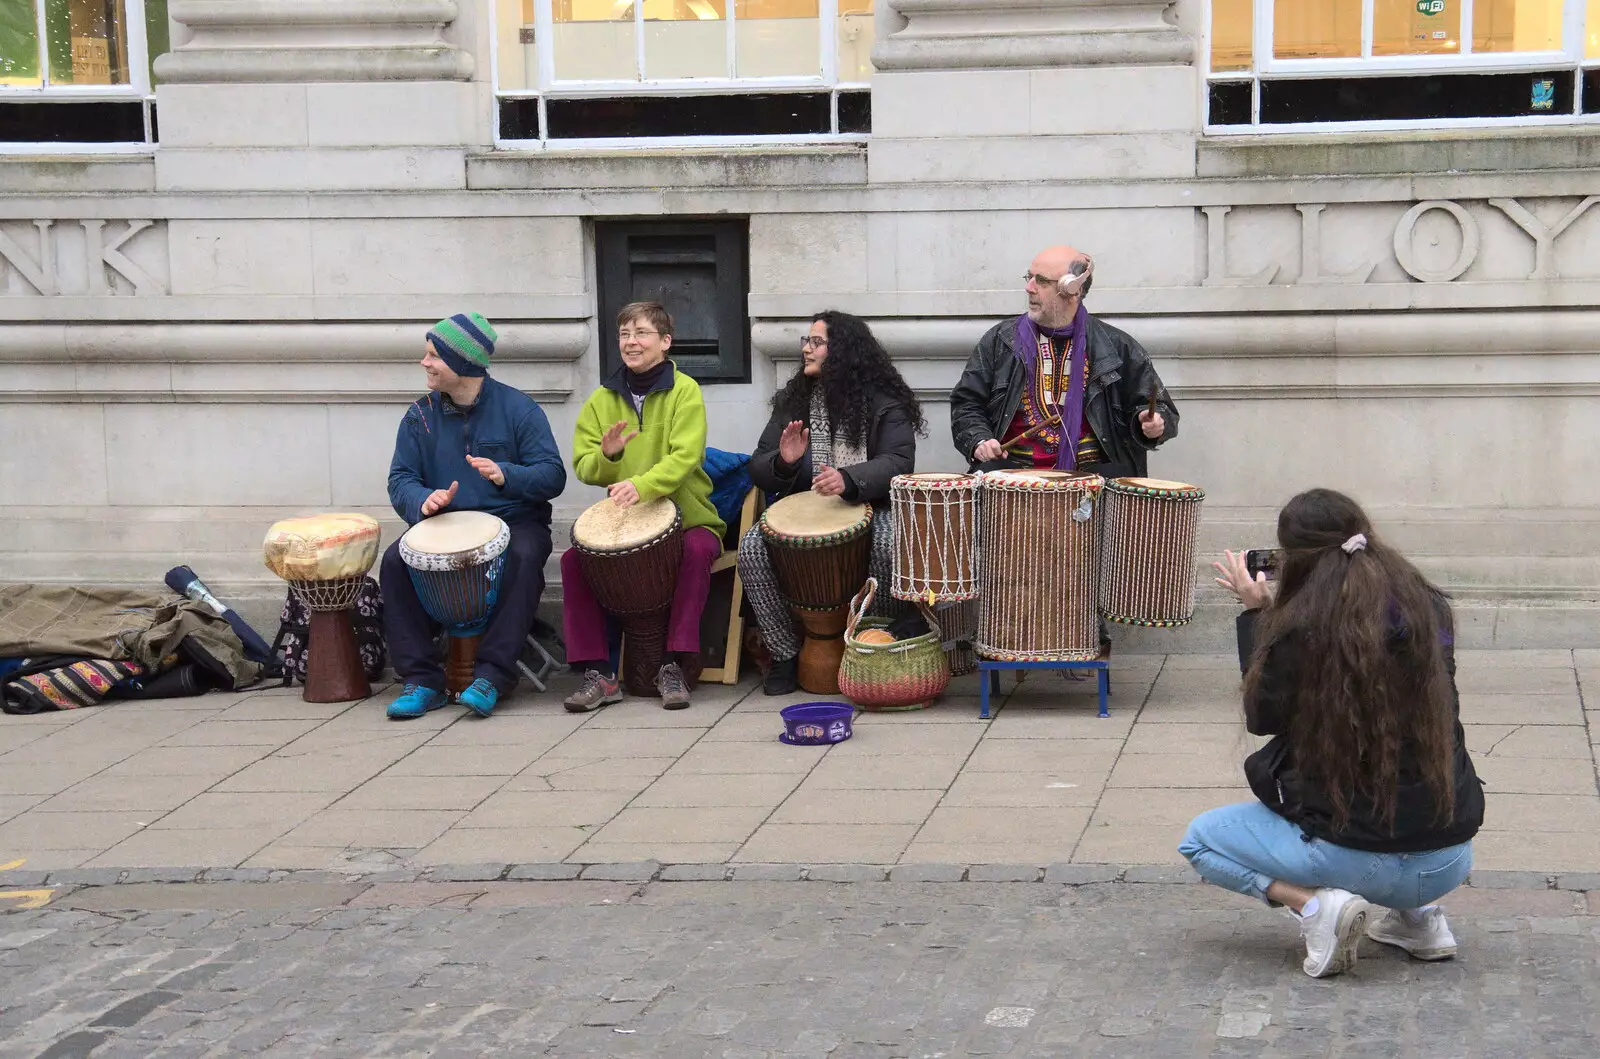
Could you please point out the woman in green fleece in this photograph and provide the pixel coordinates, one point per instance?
(642, 435)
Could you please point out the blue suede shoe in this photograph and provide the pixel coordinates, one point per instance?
(479, 697)
(414, 701)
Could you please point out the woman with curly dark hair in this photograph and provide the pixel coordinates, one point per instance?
(1365, 792)
(843, 426)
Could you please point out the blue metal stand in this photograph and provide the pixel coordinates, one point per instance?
(989, 678)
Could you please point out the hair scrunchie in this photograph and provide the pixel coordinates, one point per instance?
(1355, 544)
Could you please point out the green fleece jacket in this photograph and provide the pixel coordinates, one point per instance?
(666, 459)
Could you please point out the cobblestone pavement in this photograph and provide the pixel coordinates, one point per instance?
(746, 970)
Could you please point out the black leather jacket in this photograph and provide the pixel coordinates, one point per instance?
(1121, 379)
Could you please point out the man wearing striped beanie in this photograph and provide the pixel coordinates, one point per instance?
(470, 444)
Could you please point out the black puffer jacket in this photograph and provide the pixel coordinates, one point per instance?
(891, 449)
(1121, 379)
(1277, 781)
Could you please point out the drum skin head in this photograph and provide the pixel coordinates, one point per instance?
(452, 532)
(605, 527)
(322, 547)
(952, 479)
(813, 515)
(1158, 484)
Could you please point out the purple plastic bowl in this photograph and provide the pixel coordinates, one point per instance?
(816, 723)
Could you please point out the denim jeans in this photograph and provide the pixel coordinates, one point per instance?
(1247, 847)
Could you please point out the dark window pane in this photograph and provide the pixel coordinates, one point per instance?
(789, 114)
(1591, 91)
(699, 271)
(1230, 102)
(855, 112)
(1417, 98)
(519, 119)
(74, 122)
(155, 133)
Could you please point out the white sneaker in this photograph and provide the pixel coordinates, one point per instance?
(1424, 934)
(1332, 934)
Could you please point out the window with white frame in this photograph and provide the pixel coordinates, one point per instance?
(77, 72)
(1286, 65)
(698, 70)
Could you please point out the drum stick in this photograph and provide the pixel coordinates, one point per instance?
(1030, 433)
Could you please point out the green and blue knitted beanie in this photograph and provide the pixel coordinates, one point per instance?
(465, 341)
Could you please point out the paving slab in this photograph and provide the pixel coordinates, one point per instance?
(813, 805)
(221, 846)
(547, 809)
(828, 843)
(675, 790)
(268, 781)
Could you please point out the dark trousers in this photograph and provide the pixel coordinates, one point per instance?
(411, 633)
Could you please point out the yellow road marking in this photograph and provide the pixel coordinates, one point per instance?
(14, 864)
(27, 899)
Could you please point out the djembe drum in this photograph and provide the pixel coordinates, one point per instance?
(1147, 551)
(455, 561)
(325, 559)
(820, 547)
(629, 557)
(1040, 568)
(935, 537)
(936, 554)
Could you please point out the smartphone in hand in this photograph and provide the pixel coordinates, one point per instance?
(1262, 561)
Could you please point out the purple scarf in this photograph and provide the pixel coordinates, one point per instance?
(1027, 350)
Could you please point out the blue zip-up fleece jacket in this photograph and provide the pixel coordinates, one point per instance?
(506, 426)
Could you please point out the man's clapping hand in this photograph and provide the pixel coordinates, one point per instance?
(438, 500)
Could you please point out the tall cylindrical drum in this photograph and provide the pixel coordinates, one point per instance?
(1148, 548)
(1040, 567)
(935, 537)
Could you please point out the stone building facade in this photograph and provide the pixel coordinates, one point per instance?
(218, 327)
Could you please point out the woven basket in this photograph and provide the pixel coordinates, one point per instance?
(904, 675)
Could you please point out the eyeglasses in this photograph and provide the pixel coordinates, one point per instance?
(1041, 280)
(813, 342)
(626, 336)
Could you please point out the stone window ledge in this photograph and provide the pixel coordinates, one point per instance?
(22, 174)
(809, 165)
(1336, 153)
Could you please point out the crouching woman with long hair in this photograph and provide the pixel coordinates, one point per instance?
(1366, 795)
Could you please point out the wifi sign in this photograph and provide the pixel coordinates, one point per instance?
(1430, 7)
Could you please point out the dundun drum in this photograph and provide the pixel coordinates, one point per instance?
(935, 537)
(819, 547)
(630, 557)
(1152, 529)
(1040, 567)
(325, 559)
(455, 561)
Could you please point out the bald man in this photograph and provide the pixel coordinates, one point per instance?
(1057, 388)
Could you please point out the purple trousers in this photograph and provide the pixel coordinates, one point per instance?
(584, 621)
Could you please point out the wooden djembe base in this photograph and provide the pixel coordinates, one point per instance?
(333, 661)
